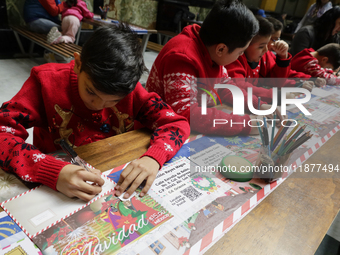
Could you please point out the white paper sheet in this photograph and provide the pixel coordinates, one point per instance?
(42, 207)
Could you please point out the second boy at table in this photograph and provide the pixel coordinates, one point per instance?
(94, 97)
(257, 63)
(201, 53)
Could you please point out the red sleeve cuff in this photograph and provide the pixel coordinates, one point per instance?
(49, 170)
(157, 153)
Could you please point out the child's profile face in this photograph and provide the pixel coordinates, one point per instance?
(257, 48)
(93, 99)
(229, 57)
(325, 64)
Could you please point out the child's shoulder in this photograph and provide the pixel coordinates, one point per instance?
(186, 43)
(52, 71)
(52, 67)
(305, 53)
(140, 94)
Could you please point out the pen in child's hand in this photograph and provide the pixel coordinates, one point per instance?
(74, 156)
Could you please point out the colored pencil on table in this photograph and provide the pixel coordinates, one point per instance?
(279, 145)
(277, 134)
(296, 134)
(298, 144)
(265, 127)
(292, 132)
(302, 137)
(266, 140)
(266, 136)
(282, 146)
(277, 149)
(283, 132)
(273, 131)
(288, 147)
(258, 125)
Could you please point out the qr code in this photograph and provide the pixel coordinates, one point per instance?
(191, 193)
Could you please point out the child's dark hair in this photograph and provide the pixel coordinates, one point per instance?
(71, 3)
(112, 58)
(266, 27)
(332, 52)
(229, 22)
(276, 24)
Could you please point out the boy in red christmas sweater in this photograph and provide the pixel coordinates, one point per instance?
(201, 53)
(94, 97)
(320, 63)
(257, 63)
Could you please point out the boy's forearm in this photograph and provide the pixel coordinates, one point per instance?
(204, 124)
(27, 162)
(167, 140)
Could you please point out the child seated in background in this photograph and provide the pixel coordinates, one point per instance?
(201, 52)
(91, 98)
(72, 13)
(253, 64)
(269, 56)
(320, 63)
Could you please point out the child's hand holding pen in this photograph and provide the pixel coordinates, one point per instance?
(73, 181)
(135, 173)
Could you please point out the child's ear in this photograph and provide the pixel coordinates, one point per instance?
(221, 49)
(324, 61)
(77, 63)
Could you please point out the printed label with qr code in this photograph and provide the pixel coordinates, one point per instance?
(191, 193)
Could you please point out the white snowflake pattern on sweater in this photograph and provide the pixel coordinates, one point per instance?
(8, 130)
(26, 178)
(314, 69)
(37, 157)
(168, 147)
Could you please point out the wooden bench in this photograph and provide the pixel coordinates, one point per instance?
(153, 46)
(64, 50)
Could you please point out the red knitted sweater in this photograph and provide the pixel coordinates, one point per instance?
(49, 101)
(176, 76)
(305, 62)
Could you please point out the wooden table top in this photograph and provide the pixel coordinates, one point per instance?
(116, 150)
(293, 219)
